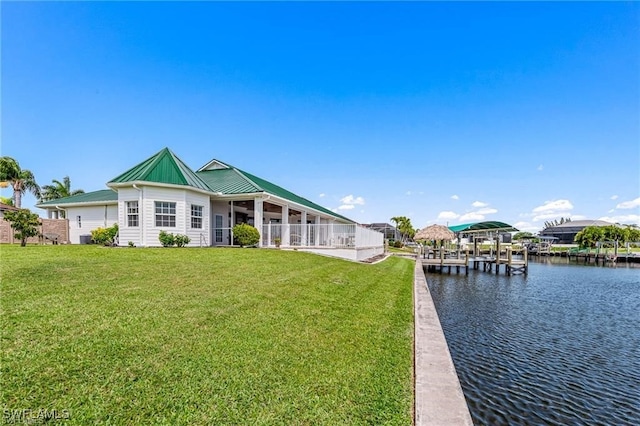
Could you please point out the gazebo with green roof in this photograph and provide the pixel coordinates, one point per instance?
(489, 227)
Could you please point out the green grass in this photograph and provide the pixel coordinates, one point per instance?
(205, 336)
(403, 250)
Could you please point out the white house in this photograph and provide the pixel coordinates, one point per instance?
(163, 193)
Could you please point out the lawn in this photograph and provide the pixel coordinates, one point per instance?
(205, 336)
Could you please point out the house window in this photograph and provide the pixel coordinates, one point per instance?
(79, 221)
(165, 214)
(132, 214)
(218, 228)
(196, 216)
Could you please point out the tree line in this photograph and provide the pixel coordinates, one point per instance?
(591, 235)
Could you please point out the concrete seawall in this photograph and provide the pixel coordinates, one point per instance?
(438, 395)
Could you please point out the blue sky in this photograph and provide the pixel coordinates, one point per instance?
(442, 112)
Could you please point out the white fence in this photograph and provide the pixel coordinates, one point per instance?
(329, 235)
(352, 241)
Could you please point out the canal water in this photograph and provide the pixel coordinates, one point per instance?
(559, 346)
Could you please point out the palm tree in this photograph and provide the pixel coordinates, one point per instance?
(403, 225)
(21, 180)
(59, 190)
(397, 220)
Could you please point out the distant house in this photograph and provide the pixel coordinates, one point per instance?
(389, 231)
(566, 232)
(6, 207)
(163, 193)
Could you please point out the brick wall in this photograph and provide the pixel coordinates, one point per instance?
(47, 226)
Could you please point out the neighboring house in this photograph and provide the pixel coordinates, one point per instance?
(163, 193)
(6, 207)
(567, 231)
(50, 230)
(389, 231)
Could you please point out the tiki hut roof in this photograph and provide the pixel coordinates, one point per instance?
(434, 232)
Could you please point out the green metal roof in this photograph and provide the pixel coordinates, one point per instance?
(163, 167)
(232, 180)
(278, 191)
(228, 181)
(104, 195)
(166, 167)
(483, 226)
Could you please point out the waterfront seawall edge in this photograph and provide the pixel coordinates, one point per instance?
(439, 399)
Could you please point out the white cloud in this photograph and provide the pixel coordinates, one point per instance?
(487, 210)
(350, 199)
(455, 197)
(349, 202)
(408, 193)
(448, 215)
(322, 195)
(628, 219)
(471, 216)
(614, 197)
(526, 227)
(556, 207)
(540, 167)
(629, 204)
(479, 204)
(539, 217)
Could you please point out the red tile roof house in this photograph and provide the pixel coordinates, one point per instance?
(163, 193)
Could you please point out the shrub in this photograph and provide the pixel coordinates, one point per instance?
(246, 235)
(131, 244)
(397, 244)
(105, 236)
(170, 240)
(167, 239)
(181, 240)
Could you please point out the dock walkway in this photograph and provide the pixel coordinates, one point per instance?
(443, 260)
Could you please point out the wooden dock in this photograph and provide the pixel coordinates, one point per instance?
(490, 263)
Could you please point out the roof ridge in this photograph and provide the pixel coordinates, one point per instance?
(244, 175)
(163, 167)
(156, 159)
(186, 169)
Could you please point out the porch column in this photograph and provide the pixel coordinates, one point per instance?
(332, 243)
(303, 232)
(232, 221)
(257, 217)
(318, 232)
(286, 239)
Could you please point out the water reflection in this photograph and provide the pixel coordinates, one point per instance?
(557, 346)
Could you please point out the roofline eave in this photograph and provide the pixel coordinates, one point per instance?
(76, 204)
(231, 197)
(116, 185)
(310, 209)
(266, 196)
